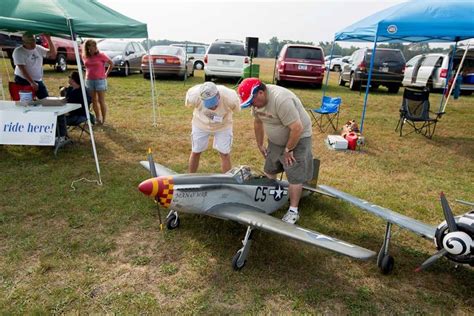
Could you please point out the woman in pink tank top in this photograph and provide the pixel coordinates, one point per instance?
(96, 77)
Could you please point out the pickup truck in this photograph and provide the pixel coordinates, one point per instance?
(64, 56)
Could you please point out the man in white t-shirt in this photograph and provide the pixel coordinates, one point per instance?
(28, 60)
(213, 107)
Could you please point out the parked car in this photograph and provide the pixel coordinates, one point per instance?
(330, 58)
(389, 65)
(64, 50)
(431, 70)
(225, 59)
(337, 63)
(126, 55)
(197, 51)
(300, 63)
(168, 60)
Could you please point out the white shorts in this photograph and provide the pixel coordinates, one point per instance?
(222, 140)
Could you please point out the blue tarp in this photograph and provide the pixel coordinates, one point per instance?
(415, 21)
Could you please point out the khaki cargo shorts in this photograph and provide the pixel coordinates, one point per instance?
(301, 171)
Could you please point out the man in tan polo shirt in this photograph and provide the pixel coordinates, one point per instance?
(213, 107)
(280, 115)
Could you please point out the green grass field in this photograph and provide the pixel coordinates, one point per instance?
(99, 249)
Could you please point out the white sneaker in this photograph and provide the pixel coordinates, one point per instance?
(291, 217)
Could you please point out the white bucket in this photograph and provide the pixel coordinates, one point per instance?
(26, 96)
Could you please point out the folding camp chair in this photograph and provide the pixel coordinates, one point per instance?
(415, 112)
(81, 125)
(327, 114)
(15, 89)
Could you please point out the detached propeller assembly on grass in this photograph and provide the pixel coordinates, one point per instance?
(453, 238)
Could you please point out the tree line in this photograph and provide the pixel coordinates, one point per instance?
(274, 45)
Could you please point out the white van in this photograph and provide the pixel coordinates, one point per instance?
(431, 70)
(196, 51)
(225, 59)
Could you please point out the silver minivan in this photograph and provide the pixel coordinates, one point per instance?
(431, 70)
(225, 59)
(195, 52)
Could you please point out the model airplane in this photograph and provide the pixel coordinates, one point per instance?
(241, 195)
(453, 238)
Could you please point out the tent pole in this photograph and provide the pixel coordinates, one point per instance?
(328, 70)
(152, 82)
(450, 67)
(456, 76)
(84, 96)
(372, 59)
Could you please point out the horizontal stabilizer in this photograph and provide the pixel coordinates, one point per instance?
(160, 170)
(413, 225)
(254, 217)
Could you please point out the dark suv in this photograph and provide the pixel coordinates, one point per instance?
(389, 66)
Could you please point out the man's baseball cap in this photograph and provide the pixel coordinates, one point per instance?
(247, 91)
(209, 95)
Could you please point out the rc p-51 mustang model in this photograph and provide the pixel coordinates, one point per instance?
(453, 238)
(241, 195)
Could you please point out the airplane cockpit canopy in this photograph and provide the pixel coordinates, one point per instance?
(245, 173)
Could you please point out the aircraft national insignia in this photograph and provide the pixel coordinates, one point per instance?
(278, 192)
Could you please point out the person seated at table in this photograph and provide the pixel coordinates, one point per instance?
(73, 94)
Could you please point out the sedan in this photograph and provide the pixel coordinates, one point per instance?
(167, 60)
(126, 55)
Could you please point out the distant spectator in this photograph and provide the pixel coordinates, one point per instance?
(96, 77)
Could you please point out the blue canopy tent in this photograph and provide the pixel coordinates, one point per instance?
(416, 21)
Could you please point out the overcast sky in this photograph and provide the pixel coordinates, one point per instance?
(204, 21)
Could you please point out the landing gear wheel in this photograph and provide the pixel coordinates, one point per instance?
(387, 264)
(172, 221)
(236, 265)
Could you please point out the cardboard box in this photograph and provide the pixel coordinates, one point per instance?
(337, 142)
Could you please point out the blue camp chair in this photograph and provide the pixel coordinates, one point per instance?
(327, 113)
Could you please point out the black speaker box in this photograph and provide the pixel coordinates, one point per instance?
(251, 43)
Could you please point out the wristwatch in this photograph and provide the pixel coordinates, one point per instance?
(288, 150)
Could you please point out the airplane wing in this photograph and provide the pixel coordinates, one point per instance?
(417, 227)
(160, 170)
(254, 217)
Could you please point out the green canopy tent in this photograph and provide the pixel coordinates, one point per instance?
(71, 18)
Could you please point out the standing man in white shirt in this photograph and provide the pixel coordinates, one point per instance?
(213, 108)
(28, 60)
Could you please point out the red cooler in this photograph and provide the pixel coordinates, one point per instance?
(351, 141)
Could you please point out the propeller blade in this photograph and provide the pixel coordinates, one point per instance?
(431, 260)
(151, 163)
(448, 214)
